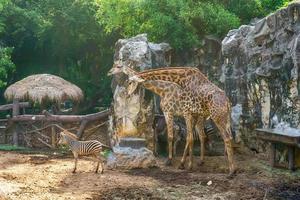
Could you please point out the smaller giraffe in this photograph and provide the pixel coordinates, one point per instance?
(175, 102)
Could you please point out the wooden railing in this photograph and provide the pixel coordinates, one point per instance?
(47, 117)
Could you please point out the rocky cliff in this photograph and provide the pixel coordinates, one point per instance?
(261, 71)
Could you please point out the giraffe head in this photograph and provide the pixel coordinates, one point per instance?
(119, 67)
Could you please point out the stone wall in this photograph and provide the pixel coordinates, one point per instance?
(261, 71)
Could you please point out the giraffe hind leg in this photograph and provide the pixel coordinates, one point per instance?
(228, 150)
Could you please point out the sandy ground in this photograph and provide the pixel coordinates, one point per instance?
(38, 176)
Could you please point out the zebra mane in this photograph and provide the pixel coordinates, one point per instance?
(72, 135)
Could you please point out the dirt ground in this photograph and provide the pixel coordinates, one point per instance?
(39, 176)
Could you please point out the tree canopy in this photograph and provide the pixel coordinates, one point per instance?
(75, 38)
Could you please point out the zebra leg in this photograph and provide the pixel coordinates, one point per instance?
(98, 161)
(76, 160)
(155, 137)
(175, 146)
(102, 166)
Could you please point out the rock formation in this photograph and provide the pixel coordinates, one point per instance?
(261, 71)
(133, 115)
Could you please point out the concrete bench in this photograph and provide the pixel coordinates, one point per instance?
(290, 140)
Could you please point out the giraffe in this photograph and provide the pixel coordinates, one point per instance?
(174, 102)
(206, 101)
(169, 109)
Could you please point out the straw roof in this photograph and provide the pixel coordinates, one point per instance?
(43, 87)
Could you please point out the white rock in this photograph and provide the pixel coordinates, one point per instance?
(209, 183)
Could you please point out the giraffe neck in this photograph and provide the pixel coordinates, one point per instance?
(160, 87)
(129, 71)
(179, 75)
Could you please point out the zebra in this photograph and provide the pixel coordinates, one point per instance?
(85, 148)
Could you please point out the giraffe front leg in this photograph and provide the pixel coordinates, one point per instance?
(189, 143)
(181, 166)
(169, 121)
(202, 139)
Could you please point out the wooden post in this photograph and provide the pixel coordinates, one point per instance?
(291, 156)
(272, 154)
(81, 128)
(15, 112)
(53, 137)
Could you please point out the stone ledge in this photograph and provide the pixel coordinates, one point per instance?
(130, 158)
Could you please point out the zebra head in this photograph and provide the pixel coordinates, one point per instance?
(62, 138)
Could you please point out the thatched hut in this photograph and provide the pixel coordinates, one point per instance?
(43, 87)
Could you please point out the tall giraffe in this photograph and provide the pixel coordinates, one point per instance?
(203, 98)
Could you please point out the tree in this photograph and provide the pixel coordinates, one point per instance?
(7, 67)
(181, 23)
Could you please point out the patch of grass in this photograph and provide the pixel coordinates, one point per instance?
(280, 172)
(61, 151)
(7, 147)
(105, 153)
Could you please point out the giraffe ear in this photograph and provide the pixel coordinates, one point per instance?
(132, 87)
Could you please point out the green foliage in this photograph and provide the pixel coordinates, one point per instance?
(7, 67)
(249, 9)
(75, 38)
(272, 5)
(181, 23)
(4, 147)
(62, 38)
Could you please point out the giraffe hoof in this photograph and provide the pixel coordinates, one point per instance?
(101, 171)
(181, 166)
(190, 167)
(168, 162)
(74, 172)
